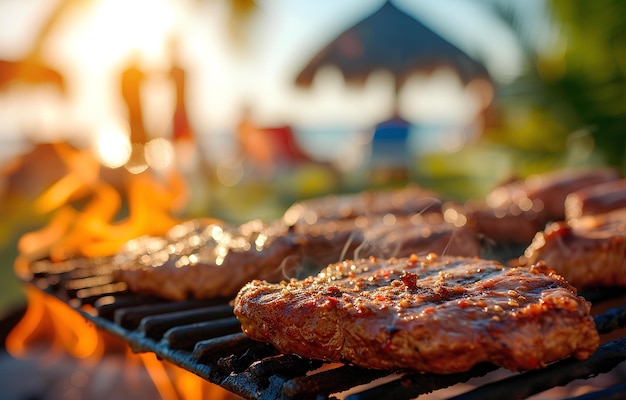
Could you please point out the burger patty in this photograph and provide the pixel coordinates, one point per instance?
(439, 314)
(589, 251)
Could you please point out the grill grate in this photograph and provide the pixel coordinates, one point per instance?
(203, 337)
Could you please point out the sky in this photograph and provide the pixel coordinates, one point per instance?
(90, 44)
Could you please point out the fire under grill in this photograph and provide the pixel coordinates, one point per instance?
(204, 337)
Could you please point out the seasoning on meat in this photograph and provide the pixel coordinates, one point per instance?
(439, 314)
(589, 251)
(207, 260)
(388, 235)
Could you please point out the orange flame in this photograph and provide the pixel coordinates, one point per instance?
(50, 326)
(50, 329)
(92, 231)
(173, 382)
(49, 322)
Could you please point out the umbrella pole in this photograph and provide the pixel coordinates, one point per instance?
(395, 100)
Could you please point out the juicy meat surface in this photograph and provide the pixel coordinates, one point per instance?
(206, 260)
(529, 204)
(589, 252)
(389, 235)
(408, 200)
(438, 314)
(596, 199)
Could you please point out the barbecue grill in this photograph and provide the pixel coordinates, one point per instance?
(204, 337)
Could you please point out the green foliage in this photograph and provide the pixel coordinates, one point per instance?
(594, 79)
(576, 83)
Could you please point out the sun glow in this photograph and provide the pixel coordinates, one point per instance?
(117, 27)
(112, 144)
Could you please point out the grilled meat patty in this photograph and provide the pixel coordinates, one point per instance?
(529, 204)
(596, 199)
(548, 191)
(213, 260)
(439, 314)
(368, 203)
(496, 223)
(389, 235)
(206, 260)
(589, 251)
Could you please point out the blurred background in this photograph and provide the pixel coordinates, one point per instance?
(235, 109)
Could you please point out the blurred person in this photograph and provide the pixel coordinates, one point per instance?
(391, 156)
(181, 128)
(189, 158)
(132, 78)
(254, 146)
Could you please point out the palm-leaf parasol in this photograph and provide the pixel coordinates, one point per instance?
(390, 40)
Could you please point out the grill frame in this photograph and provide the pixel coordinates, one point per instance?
(204, 337)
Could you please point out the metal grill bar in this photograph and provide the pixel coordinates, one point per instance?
(329, 381)
(524, 385)
(612, 393)
(131, 317)
(413, 385)
(611, 320)
(185, 337)
(205, 338)
(155, 326)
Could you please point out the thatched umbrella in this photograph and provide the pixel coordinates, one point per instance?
(390, 40)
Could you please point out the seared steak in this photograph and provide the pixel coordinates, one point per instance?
(408, 200)
(207, 260)
(439, 314)
(513, 212)
(548, 191)
(214, 260)
(384, 236)
(596, 199)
